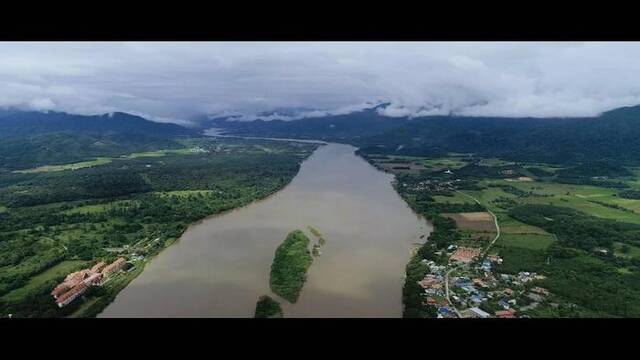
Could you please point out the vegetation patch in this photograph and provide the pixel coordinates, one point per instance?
(528, 241)
(289, 268)
(72, 166)
(266, 307)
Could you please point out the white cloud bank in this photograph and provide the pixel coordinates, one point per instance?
(177, 81)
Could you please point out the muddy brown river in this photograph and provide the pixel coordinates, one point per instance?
(220, 266)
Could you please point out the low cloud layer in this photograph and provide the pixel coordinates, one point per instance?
(179, 81)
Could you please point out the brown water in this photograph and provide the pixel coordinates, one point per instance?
(221, 265)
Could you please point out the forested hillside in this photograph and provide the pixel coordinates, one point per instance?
(614, 135)
(32, 139)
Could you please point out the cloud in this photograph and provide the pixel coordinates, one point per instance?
(41, 104)
(178, 81)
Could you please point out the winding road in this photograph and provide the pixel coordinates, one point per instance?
(484, 252)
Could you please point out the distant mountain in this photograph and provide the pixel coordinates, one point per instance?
(349, 127)
(30, 139)
(19, 123)
(614, 135)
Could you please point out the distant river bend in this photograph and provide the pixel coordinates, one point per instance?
(220, 266)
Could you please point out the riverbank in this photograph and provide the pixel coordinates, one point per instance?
(512, 241)
(221, 265)
(178, 189)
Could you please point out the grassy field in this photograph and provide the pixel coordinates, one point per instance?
(589, 199)
(457, 198)
(183, 193)
(528, 241)
(44, 277)
(103, 160)
(444, 163)
(73, 166)
(634, 251)
(494, 162)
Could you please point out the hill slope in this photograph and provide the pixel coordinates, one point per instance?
(31, 139)
(614, 135)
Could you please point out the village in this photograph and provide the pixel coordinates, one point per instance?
(468, 288)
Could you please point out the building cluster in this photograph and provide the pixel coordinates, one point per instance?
(464, 255)
(477, 288)
(433, 185)
(434, 287)
(481, 286)
(77, 283)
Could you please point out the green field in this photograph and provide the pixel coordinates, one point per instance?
(634, 251)
(103, 160)
(36, 282)
(183, 193)
(528, 241)
(579, 197)
(495, 162)
(444, 163)
(72, 166)
(456, 198)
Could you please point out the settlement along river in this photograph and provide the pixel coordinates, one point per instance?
(220, 266)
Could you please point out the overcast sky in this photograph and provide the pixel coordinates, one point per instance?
(177, 81)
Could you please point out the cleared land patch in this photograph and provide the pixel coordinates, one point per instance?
(476, 221)
(625, 250)
(72, 166)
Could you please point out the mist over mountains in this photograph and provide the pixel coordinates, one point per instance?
(613, 135)
(30, 138)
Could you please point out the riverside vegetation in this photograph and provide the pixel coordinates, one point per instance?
(57, 220)
(266, 307)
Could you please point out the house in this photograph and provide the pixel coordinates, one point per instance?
(540, 291)
(93, 279)
(535, 297)
(506, 314)
(113, 267)
(71, 295)
(59, 290)
(477, 313)
(98, 267)
(465, 254)
(508, 292)
(503, 304)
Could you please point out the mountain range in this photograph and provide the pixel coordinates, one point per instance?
(613, 135)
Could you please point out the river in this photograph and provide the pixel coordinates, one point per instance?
(220, 265)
